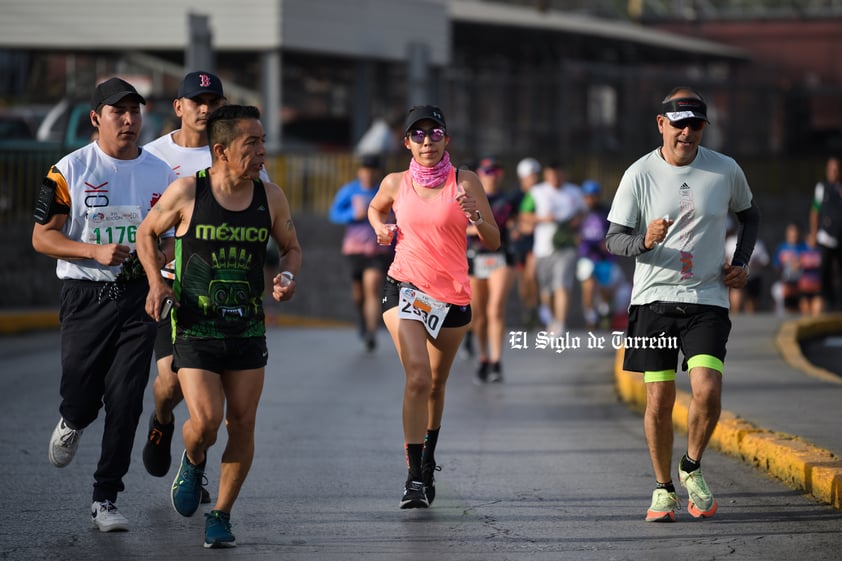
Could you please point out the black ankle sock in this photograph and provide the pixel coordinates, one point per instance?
(430, 441)
(413, 460)
(689, 465)
(668, 486)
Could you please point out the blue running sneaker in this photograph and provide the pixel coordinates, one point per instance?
(187, 487)
(218, 530)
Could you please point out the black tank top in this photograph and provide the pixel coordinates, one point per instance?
(219, 267)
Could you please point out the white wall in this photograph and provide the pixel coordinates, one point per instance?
(134, 24)
(368, 28)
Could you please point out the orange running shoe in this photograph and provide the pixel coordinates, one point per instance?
(701, 503)
(663, 507)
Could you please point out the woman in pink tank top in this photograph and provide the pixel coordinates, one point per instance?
(427, 293)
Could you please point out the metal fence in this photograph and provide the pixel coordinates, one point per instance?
(310, 181)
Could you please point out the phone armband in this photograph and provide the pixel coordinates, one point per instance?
(45, 205)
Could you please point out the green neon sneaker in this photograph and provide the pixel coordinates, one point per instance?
(663, 507)
(701, 503)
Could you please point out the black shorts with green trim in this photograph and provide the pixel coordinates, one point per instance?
(658, 331)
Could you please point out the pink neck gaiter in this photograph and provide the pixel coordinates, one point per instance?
(430, 177)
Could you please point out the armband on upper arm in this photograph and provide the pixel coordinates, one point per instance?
(46, 205)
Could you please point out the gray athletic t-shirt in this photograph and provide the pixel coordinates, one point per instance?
(687, 265)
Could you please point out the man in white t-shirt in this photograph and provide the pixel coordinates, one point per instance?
(557, 207)
(89, 208)
(669, 213)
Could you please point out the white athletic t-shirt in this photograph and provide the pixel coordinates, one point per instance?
(185, 161)
(109, 198)
(687, 265)
(562, 203)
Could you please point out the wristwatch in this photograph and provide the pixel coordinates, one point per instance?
(478, 220)
(288, 275)
(747, 269)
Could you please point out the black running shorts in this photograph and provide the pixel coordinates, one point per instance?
(657, 332)
(457, 316)
(220, 355)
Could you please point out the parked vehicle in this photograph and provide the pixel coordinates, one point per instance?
(66, 126)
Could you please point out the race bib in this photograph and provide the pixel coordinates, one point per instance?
(487, 263)
(113, 224)
(414, 304)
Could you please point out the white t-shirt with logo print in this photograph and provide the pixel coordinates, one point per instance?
(109, 198)
(688, 265)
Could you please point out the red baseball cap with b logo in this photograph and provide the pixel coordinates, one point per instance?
(198, 83)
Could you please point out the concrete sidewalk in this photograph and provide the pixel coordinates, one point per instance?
(780, 413)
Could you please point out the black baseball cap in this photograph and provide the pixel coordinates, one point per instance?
(195, 84)
(421, 112)
(113, 90)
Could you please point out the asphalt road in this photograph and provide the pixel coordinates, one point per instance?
(547, 466)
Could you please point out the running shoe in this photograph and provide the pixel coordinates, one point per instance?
(414, 495)
(106, 517)
(187, 487)
(63, 444)
(370, 341)
(663, 507)
(496, 374)
(429, 481)
(218, 530)
(701, 503)
(481, 376)
(156, 451)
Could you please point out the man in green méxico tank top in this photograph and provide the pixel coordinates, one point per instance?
(223, 217)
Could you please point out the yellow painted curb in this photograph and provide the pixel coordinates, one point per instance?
(22, 322)
(792, 332)
(797, 463)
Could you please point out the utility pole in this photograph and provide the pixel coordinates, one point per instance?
(199, 52)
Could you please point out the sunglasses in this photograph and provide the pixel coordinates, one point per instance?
(436, 135)
(694, 124)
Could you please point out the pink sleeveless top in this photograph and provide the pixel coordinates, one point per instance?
(432, 244)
